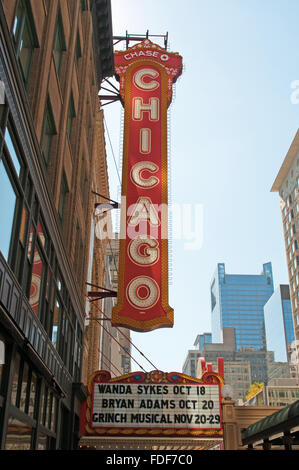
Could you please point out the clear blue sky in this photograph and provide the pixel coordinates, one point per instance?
(232, 122)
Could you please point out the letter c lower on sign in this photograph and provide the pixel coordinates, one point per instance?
(143, 292)
(141, 84)
(139, 180)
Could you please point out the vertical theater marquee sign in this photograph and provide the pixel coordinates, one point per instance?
(146, 73)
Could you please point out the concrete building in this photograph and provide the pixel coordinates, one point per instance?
(227, 350)
(115, 342)
(242, 367)
(279, 324)
(97, 269)
(286, 185)
(238, 375)
(237, 301)
(53, 57)
(278, 370)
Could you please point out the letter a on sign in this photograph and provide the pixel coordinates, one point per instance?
(146, 73)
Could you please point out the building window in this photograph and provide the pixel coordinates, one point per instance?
(38, 269)
(33, 394)
(33, 398)
(25, 37)
(13, 151)
(59, 44)
(19, 435)
(63, 195)
(70, 117)
(49, 130)
(56, 321)
(83, 181)
(78, 52)
(2, 362)
(7, 194)
(84, 5)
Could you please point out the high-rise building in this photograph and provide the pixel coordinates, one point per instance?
(287, 186)
(203, 339)
(279, 323)
(238, 375)
(256, 360)
(242, 367)
(237, 301)
(53, 57)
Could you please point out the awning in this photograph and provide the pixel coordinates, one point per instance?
(281, 421)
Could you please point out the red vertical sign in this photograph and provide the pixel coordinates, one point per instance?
(146, 73)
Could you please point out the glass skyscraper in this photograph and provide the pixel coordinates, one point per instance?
(201, 340)
(279, 323)
(237, 301)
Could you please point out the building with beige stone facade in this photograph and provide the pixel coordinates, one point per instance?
(120, 347)
(110, 346)
(286, 185)
(278, 392)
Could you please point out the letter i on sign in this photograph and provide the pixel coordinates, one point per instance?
(146, 89)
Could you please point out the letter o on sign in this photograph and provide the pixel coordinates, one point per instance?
(143, 292)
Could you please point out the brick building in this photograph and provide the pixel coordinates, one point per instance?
(53, 57)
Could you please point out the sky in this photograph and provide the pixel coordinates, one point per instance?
(232, 122)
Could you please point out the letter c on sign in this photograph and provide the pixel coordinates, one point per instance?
(139, 180)
(141, 84)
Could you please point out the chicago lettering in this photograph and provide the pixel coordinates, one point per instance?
(146, 74)
(143, 292)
